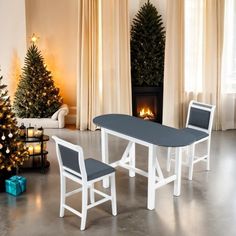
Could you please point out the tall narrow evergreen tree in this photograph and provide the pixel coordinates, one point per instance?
(36, 96)
(12, 151)
(147, 47)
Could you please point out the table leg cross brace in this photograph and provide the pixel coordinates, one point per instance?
(127, 159)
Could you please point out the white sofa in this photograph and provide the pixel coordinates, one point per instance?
(57, 120)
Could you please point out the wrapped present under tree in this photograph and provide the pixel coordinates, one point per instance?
(15, 185)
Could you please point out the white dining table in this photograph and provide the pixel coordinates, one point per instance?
(151, 135)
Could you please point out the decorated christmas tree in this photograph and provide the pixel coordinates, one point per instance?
(12, 151)
(36, 95)
(147, 47)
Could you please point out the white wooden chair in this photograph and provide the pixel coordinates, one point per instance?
(85, 172)
(199, 123)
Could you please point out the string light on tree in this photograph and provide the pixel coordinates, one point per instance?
(12, 152)
(7, 150)
(36, 82)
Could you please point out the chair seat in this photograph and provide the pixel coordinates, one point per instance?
(198, 134)
(95, 169)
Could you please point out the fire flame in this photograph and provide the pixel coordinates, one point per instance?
(146, 113)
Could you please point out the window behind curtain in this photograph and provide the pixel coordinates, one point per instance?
(193, 45)
(229, 48)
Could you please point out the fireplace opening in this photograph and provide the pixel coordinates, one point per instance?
(146, 107)
(147, 103)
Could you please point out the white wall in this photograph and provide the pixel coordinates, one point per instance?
(12, 41)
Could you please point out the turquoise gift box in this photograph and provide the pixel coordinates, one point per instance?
(15, 185)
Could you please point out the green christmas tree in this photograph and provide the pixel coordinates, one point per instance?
(36, 95)
(12, 151)
(147, 47)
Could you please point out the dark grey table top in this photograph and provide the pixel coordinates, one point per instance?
(147, 131)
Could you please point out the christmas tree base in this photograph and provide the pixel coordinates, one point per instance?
(4, 174)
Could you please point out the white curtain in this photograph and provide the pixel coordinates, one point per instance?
(173, 72)
(193, 53)
(228, 75)
(115, 60)
(194, 64)
(104, 83)
(203, 53)
(88, 69)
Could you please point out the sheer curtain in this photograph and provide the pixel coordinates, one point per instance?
(229, 67)
(199, 55)
(115, 44)
(174, 64)
(193, 53)
(104, 83)
(203, 52)
(88, 64)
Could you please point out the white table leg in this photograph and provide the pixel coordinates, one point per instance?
(132, 160)
(178, 165)
(151, 177)
(105, 154)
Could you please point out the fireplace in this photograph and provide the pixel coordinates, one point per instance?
(147, 103)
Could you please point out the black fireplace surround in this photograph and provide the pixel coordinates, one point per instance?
(147, 103)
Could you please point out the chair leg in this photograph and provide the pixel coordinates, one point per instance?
(84, 207)
(113, 195)
(91, 193)
(191, 159)
(62, 197)
(208, 154)
(168, 159)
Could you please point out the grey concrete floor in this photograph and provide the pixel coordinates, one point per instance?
(206, 207)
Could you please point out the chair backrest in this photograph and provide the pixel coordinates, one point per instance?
(200, 116)
(70, 158)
